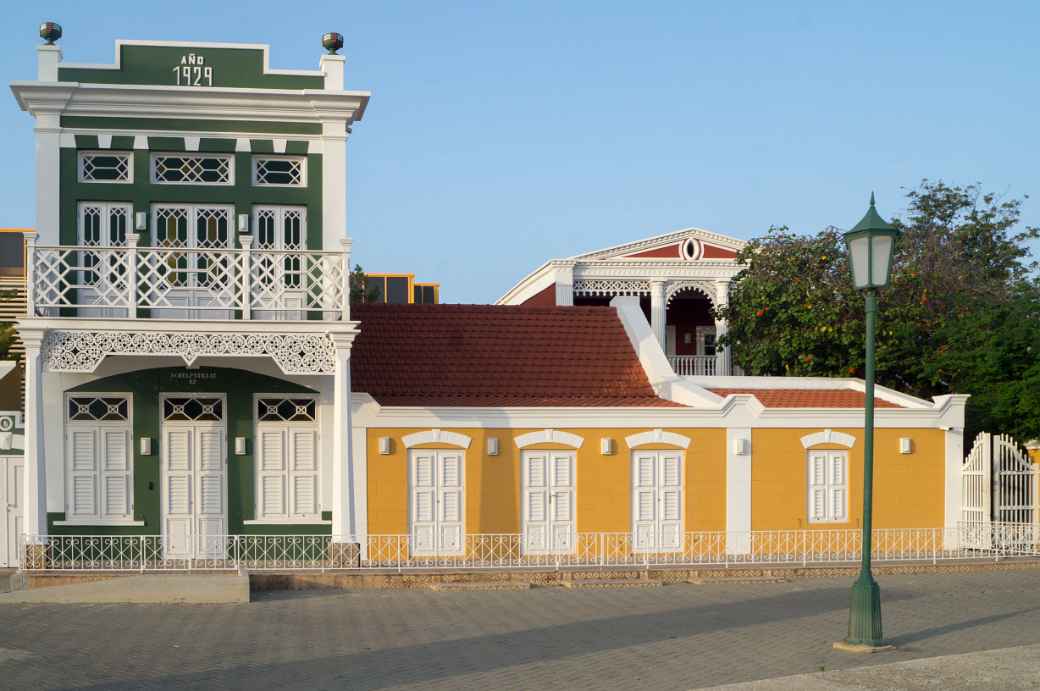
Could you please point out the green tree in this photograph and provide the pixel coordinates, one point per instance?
(962, 267)
(360, 291)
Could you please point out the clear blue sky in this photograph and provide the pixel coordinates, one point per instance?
(502, 134)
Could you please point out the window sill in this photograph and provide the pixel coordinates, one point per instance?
(287, 521)
(100, 523)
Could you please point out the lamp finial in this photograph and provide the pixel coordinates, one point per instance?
(872, 198)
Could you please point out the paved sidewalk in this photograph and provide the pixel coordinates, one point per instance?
(672, 637)
(149, 589)
(1004, 668)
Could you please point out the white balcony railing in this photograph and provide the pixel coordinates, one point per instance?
(988, 541)
(182, 283)
(694, 365)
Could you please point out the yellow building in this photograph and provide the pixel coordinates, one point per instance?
(558, 430)
(400, 289)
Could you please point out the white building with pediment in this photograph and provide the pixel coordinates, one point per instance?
(680, 277)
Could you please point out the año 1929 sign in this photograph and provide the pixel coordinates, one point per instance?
(193, 71)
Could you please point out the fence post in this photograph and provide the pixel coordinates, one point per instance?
(142, 553)
(131, 276)
(30, 274)
(246, 253)
(602, 549)
(345, 281)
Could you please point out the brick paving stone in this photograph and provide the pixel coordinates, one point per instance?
(674, 637)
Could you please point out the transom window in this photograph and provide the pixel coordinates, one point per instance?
(192, 169)
(192, 409)
(279, 171)
(285, 409)
(99, 408)
(106, 166)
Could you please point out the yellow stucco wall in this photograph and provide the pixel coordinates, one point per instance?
(909, 488)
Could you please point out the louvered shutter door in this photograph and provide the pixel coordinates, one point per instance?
(450, 487)
(178, 491)
(304, 472)
(563, 502)
(271, 464)
(837, 486)
(644, 500)
(424, 493)
(210, 513)
(669, 533)
(83, 476)
(818, 487)
(115, 474)
(536, 502)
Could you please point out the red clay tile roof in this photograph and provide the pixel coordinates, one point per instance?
(808, 398)
(496, 355)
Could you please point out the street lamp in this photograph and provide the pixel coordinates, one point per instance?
(870, 245)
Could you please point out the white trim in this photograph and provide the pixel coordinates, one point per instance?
(99, 523)
(302, 160)
(80, 154)
(436, 436)
(287, 521)
(230, 182)
(953, 439)
(738, 492)
(828, 436)
(548, 436)
(658, 436)
(665, 239)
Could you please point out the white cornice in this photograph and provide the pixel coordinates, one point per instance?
(664, 239)
(224, 103)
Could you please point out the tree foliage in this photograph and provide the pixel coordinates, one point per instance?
(961, 315)
(360, 291)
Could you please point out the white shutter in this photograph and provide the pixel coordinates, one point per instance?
(83, 473)
(271, 468)
(536, 502)
(210, 513)
(424, 501)
(670, 532)
(837, 485)
(115, 473)
(563, 523)
(303, 469)
(644, 500)
(450, 528)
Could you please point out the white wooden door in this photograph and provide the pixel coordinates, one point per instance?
(657, 501)
(11, 500)
(437, 502)
(194, 500)
(549, 525)
(287, 471)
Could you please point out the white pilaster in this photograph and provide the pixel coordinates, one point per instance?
(48, 57)
(342, 523)
(334, 184)
(738, 490)
(48, 163)
(723, 362)
(954, 441)
(35, 487)
(658, 312)
(334, 67)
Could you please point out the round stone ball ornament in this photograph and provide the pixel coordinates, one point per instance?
(332, 42)
(50, 32)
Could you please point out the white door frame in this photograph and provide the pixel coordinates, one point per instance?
(12, 505)
(163, 451)
(524, 477)
(260, 427)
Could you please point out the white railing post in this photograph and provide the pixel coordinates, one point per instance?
(30, 274)
(131, 278)
(345, 281)
(245, 300)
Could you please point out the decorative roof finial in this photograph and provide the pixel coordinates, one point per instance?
(50, 32)
(872, 199)
(332, 42)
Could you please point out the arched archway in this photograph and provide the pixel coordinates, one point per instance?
(690, 329)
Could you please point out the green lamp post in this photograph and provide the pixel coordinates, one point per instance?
(870, 244)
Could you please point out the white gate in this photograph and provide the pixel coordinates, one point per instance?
(1015, 479)
(998, 486)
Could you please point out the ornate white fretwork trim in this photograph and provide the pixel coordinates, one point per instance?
(707, 288)
(83, 351)
(610, 286)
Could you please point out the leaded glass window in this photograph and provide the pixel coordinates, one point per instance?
(106, 166)
(192, 169)
(279, 171)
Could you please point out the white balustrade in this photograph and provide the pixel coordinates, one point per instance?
(180, 283)
(694, 365)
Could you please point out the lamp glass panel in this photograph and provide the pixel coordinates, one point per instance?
(882, 251)
(859, 252)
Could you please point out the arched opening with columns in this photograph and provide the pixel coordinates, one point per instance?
(690, 323)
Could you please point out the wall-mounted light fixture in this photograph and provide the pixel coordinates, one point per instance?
(385, 446)
(145, 446)
(492, 446)
(741, 446)
(6, 440)
(606, 446)
(243, 223)
(906, 445)
(140, 220)
(240, 446)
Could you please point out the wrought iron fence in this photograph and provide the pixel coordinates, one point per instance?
(507, 551)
